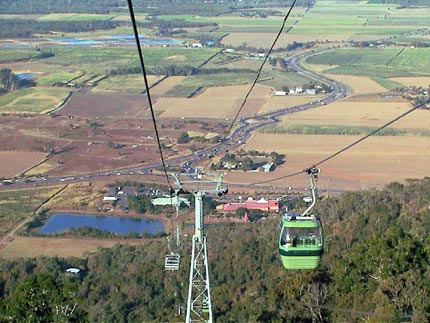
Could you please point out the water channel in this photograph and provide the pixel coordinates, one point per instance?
(60, 222)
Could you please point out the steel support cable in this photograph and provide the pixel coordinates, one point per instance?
(259, 70)
(417, 106)
(142, 65)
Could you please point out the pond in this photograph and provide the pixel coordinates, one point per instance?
(115, 40)
(25, 76)
(60, 222)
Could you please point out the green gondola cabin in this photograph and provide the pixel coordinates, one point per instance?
(300, 241)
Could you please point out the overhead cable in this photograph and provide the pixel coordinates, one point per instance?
(259, 70)
(139, 50)
(415, 107)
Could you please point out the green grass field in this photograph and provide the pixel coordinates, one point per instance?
(278, 78)
(357, 8)
(351, 30)
(124, 83)
(74, 17)
(400, 21)
(16, 54)
(229, 20)
(99, 60)
(16, 205)
(380, 62)
(51, 78)
(192, 83)
(32, 100)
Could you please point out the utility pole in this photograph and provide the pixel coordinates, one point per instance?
(199, 305)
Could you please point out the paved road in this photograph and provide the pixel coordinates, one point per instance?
(239, 136)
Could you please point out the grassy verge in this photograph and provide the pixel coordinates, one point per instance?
(192, 83)
(99, 60)
(57, 77)
(32, 100)
(16, 54)
(376, 62)
(15, 205)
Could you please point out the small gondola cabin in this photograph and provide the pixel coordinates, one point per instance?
(300, 241)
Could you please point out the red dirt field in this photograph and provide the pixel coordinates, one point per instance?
(15, 162)
(29, 247)
(90, 105)
(79, 145)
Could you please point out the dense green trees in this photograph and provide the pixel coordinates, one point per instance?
(152, 6)
(407, 3)
(10, 81)
(20, 28)
(375, 269)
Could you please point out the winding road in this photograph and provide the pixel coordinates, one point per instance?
(237, 138)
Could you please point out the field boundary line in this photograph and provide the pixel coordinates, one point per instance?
(8, 236)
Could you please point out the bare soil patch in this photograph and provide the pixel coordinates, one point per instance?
(359, 84)
(215, 102)
(361, 113)
(287, 101)
(29, 247)
(265, 40)
(166, 85)
(92, 105)
(16, 162)
(413, 81)
(372, 163)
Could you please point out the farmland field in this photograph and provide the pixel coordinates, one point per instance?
(16, 54)
(124, 83)
(108, 104)
(361, 113)
(104, 59)
(373, 163)
(29, 247)
(287, 101)
(74, 17)
(32, 100)
(16, 162)
(359, 84)
(265, 39)
(367, 72)
(192, 83)
(166, 85)
(16, 205)
(413, 81)
(216, 102)
(400, 61)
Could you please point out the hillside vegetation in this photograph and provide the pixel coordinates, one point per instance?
(375, 269)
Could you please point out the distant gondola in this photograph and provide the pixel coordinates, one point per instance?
(300, 239)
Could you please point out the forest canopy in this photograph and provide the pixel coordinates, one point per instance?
(375, 269)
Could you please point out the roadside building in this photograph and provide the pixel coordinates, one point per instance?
(269, 167)
(173, 200)
(250, 204)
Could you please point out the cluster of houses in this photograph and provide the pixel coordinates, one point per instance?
(300, 90)
(117, 197)
(266, 167)
(250, 204)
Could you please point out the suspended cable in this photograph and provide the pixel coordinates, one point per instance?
(372, 133)
(139, 50)
(259, 70)
(419, 105)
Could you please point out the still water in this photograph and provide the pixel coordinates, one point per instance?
(115, 40)
(60, 222)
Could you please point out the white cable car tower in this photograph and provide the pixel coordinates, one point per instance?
(199, 306)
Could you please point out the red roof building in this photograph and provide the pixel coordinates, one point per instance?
(251, 204)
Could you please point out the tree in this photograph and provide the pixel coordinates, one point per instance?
(183, 137)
